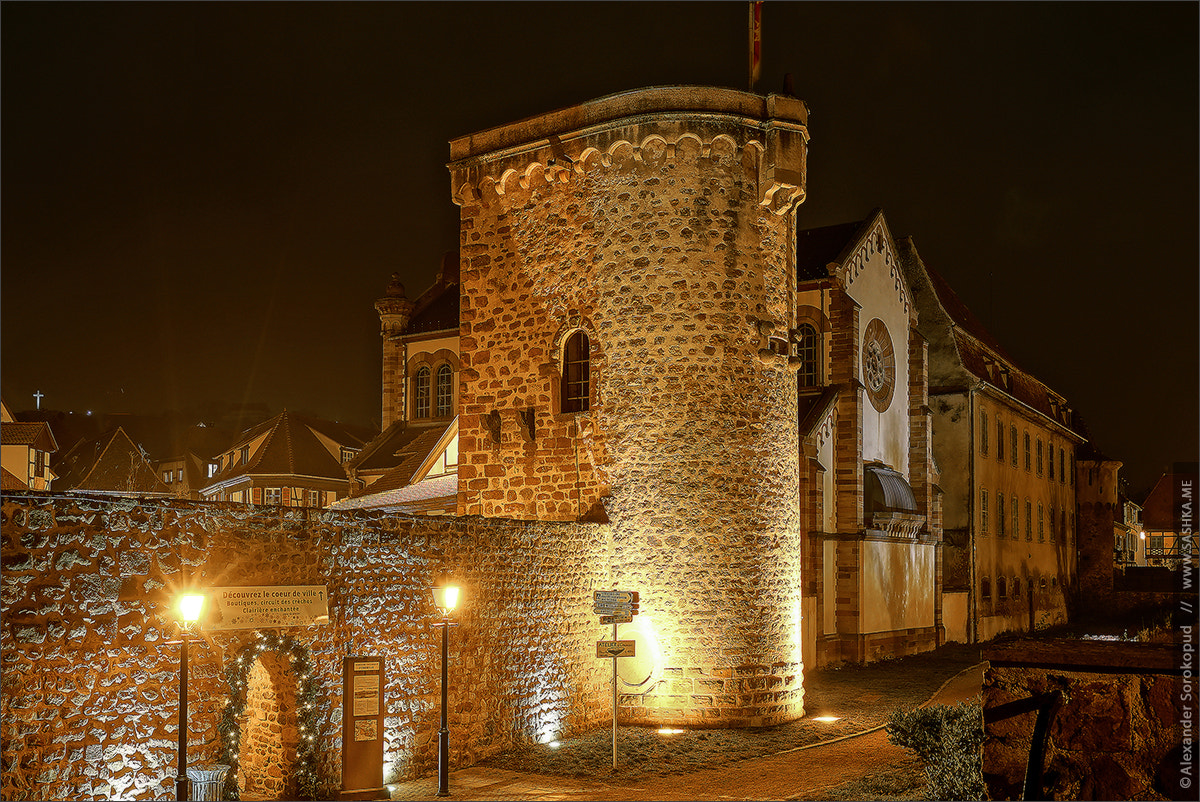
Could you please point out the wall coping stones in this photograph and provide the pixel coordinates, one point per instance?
(1089, 656)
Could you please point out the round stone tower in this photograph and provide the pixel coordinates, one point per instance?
(657, 228)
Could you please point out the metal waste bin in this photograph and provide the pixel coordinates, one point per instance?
(208, 781)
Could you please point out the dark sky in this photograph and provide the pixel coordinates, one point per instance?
(202, 201)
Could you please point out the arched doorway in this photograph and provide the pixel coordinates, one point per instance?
(269, 727)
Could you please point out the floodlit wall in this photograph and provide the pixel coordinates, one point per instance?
(661, 223)
(90, 679)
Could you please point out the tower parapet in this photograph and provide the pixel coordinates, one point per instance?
(628, 291)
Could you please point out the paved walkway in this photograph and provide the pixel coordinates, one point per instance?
(796, 774)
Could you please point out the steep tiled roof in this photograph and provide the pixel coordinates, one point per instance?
(402, 447)
(817, 247)
(34, 434)
(111, 463)
(292, 448)
(437, 312)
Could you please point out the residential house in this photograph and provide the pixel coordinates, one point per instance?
(110, 464)
(1006, 448)
(290, 460)
(26, 450)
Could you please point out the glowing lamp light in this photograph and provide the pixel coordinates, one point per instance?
(827, 719)
(445, 597)
(190, 605)
(555, 744)
(1143, 535)
(669, 731)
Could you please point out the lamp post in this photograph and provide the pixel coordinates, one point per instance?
(445, 596)
(190, 605)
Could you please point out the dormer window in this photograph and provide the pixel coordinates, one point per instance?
(244, 454)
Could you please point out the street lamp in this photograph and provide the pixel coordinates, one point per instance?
(190, 605)
(445, 596)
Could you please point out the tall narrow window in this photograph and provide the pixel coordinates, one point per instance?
(983, 433)
(1016, 525)
(1041, 523)
(1050, 462)
(576, 373)
(1013, 442)
(1000, 517)
(445, 390)
(1062, 466)
(1051, 523)
(983, 511)
(1039, 456)
(421, 393)
(1000, 440)
(1028, 519)
(1028, 458)
(808, 348)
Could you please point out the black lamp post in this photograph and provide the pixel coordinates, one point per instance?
(445, 596)
(189, 612)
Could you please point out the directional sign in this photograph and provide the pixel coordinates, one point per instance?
(608, 598)
(615, 648)
(624, 618)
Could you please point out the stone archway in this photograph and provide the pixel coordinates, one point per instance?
(270, 734)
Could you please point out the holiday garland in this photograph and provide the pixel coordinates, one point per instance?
(237, 674)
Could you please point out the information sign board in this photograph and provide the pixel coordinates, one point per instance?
(615, 648)
(264, 606)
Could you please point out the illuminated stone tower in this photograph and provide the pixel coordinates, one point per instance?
(394, 312)
(628, 294)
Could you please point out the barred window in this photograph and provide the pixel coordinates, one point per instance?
(445, 390)
(421, 393)
(576, 373)
(808, 349)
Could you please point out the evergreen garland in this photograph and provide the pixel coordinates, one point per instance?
(237, 673)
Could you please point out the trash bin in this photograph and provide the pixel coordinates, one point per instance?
(208, 781)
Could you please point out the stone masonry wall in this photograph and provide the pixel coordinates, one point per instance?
(660, 235)
(1111, 736)
(90, 683)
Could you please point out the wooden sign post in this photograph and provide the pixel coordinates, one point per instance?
(615, 607)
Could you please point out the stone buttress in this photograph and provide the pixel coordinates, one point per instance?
(660, 223)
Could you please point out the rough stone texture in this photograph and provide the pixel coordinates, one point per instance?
(1111, 737)
(90, 684)
(668, 237)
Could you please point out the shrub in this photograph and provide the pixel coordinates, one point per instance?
(949, 741)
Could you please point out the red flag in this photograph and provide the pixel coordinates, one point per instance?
(755, 42)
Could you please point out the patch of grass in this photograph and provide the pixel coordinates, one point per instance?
(903, 782)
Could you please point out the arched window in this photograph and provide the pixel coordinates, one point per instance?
(808, 349)
(445, 390)
(1001, 588)
(985, 589)
(576, 373)
(421, 393)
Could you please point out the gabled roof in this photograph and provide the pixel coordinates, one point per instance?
(817, 247)
(34, 434)
(967, 351)
(291, 448)
(110, 463)
(402, 446)
(1160, 510)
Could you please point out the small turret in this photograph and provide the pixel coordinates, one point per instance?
(394, 309)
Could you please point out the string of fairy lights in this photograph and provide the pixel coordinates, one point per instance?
(237, 673)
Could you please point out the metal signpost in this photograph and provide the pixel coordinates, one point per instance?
(615, 607)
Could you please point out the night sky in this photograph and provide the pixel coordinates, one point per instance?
(202, 201)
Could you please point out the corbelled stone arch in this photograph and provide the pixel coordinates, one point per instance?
(653, 150)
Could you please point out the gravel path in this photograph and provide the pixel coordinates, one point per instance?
(861, 697)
